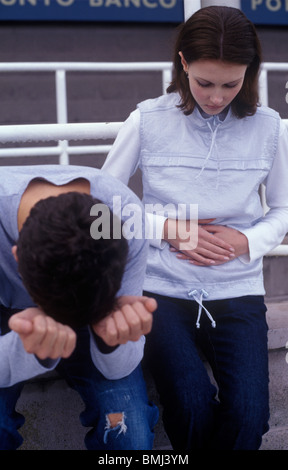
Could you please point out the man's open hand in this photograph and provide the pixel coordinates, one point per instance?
(129, 322)
(43, 336)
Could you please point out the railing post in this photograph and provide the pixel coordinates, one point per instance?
(230, 3)
(190, 6)
(263, 87)
(166, 79)
(62, 115)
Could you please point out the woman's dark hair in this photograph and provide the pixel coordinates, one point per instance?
(221, 33)
(71, 276)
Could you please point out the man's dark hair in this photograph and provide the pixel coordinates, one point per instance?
(72, 277)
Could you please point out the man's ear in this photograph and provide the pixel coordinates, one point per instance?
(14, 252)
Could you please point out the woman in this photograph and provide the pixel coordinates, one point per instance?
(208, 142)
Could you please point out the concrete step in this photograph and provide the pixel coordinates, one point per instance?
(275, 277)
(277, 317)
(52, 409)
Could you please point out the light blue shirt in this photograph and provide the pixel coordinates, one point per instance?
(15, 364)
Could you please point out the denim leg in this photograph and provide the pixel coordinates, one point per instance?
(10, 420)
(238, 353)
(185, 390)
(118, 411)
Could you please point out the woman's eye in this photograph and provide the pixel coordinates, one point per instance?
(204, 85)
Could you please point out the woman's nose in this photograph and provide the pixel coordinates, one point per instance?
(217, 99)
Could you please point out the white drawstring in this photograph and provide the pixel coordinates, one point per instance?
(214, 133)
(198, 297)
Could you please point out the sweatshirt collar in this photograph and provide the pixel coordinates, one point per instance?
(205, 120)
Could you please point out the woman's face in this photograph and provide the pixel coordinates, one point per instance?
(214, 84)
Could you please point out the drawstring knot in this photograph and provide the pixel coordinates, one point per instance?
(198, 297)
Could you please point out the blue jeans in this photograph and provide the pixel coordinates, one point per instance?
(102, 398)
(196, 414)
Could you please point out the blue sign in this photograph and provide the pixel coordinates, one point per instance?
(93, 10)
(266, 11)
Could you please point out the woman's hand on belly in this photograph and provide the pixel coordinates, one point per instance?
(204, 245)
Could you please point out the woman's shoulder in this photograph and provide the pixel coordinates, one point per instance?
(163, 102)
(266, 112)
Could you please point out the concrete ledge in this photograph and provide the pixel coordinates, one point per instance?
(277, 318)
(276, 439)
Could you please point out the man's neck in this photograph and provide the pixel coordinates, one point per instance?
(41, 189)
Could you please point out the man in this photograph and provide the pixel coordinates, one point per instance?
(70, 299)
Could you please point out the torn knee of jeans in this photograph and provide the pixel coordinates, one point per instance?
(115, 422)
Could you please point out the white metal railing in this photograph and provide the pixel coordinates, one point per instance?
(263, 81)
(60, 69)
(64, 132)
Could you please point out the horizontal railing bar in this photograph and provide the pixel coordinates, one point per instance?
(54, 132)
(275, 66)
(107, 66)
(54, 150)
(84, 66)
(281, 250)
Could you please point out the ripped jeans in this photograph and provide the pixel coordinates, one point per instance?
(117, 411)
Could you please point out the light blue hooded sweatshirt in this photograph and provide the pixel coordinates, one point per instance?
(218, 165)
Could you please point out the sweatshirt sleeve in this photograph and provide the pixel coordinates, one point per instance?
(122, 162)
(123, 158)
(16, 365)
(272, 228)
